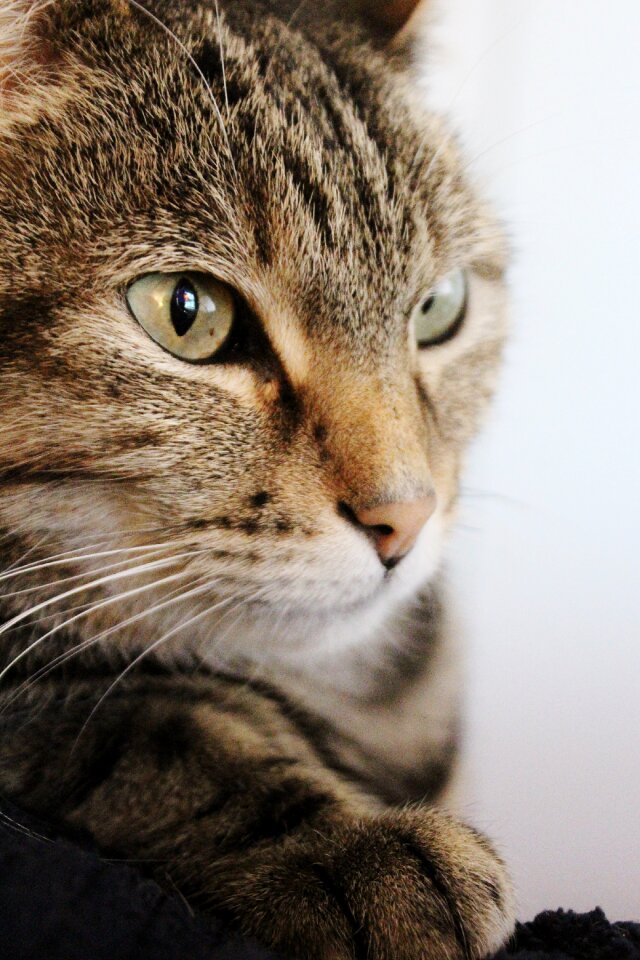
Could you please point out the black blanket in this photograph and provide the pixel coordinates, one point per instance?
(60, 901)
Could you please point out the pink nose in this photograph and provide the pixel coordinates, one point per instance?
(394, 527)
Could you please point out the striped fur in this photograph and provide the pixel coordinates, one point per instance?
(203, 661)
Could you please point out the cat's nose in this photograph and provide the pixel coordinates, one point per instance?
(394, 527)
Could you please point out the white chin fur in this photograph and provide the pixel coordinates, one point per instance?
(311, 633)
(330, 607)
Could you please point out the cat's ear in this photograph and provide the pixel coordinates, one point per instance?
(29, 60)
(388, 20)
(24, 47)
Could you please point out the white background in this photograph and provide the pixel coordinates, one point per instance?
(546, 558)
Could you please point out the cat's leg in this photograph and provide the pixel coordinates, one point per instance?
(224, 792)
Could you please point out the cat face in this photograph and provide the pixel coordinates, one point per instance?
(303, 195)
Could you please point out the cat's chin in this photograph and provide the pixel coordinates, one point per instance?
(303, 640)
(319, 630)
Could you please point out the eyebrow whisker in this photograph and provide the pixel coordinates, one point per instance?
(194, 63)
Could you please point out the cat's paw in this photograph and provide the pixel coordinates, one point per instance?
(407, 885)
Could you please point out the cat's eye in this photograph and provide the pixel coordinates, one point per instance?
(440, 312)
(188, 314)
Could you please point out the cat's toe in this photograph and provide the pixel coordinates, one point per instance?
(418, 885)
(410, 885)
(463, 884)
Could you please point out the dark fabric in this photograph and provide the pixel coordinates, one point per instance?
(60, 901)
(565, 935)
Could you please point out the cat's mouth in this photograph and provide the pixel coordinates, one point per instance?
(328, 609)
(329, 594)
(265, 630)
(304, 603)
(287, 599)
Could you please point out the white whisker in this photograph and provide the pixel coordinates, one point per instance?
(27, 553)
(288, 24)
(174, 596)
(92, 609)
(511, 136)
(461, 87)
(53, 614)
(20, 828)
(193, 62)
(213, 644)
(154, 646)
(73, 556)
(143, 568)
(74, 577)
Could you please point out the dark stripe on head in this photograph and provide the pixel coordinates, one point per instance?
(233, 88)
(313, 195)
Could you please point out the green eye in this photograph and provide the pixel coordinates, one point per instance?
(189, 314)
(439, 314)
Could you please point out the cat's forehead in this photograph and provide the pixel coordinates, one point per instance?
(246, 147)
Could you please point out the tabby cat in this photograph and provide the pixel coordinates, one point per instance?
(250, 314)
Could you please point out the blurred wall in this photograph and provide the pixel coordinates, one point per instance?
(545, 562)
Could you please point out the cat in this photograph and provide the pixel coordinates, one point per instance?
(251, 313)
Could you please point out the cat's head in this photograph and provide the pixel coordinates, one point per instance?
(250, 312)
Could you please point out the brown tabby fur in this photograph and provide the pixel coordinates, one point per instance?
(203, 661)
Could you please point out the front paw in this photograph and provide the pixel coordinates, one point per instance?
(406, 885)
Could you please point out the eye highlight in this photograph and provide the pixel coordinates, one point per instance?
(440, 313)
(188, 314)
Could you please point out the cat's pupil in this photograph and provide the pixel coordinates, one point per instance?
(427, 304)
(184, 306)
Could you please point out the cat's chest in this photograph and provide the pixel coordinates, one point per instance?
(402, 743)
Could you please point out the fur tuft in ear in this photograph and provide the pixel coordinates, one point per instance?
(23, 47)
(387, 18)
(26, 59)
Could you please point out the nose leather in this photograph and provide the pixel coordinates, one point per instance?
(394, 527)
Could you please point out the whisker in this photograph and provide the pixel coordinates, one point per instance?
(13, 534)
(511, 136)
(92, 609)
(214, 643)
(224, 72)
(53, 614)
(77, 576)
(288, 24)
(193, 62)
(20, 559)
(173, 596)
(102, 541)
(467, 527)
(581, 146)
(154, 646)
(21, 828)
(219, 639)
(461, 87)
(72, 556)
(143, 568)
(470, 493)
